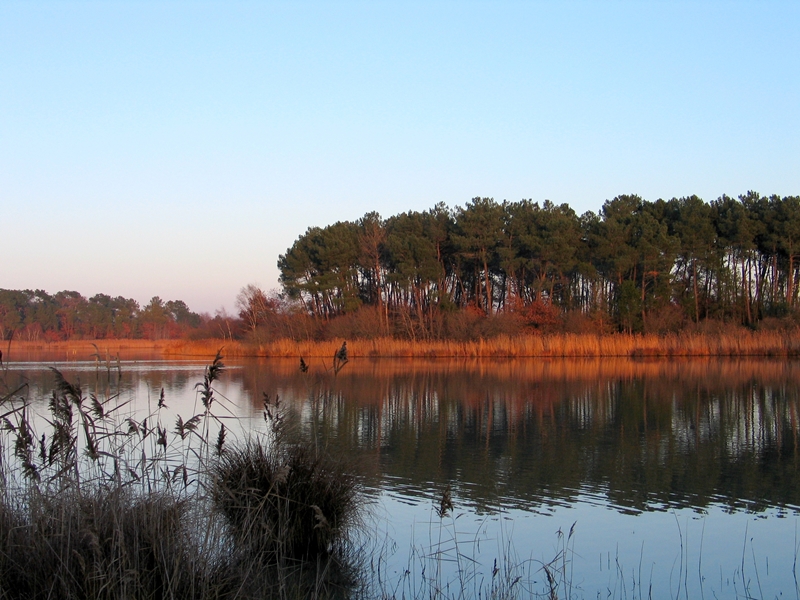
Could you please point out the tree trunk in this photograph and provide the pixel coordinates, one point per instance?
(489, 294)
(746, 291)
(790, 280)
(644, 284)
(694, 284)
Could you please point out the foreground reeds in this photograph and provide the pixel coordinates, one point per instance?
(99, 504)
(284, 500)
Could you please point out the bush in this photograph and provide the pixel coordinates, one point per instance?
(366, 323)
(665, 319)
(284, 500)
(542, 317)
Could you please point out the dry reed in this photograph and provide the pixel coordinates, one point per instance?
(100, 505)
(736, 342)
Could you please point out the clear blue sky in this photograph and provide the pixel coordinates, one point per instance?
(176, 148)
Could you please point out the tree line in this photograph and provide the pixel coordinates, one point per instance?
(484, 269)
(35, 315)
(634, 266)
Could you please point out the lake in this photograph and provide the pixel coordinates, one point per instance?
(627, 478)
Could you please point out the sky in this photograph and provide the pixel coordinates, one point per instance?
(178, 148)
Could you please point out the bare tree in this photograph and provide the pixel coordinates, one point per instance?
(253, 305)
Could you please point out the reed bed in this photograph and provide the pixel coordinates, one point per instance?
(99, 503)
(736, 342)
(88, 345)
(708, 369)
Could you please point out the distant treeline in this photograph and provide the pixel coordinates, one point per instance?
(35, 315)
(493, 267)
(484, 270)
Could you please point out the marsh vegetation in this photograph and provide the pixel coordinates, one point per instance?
(98, 501)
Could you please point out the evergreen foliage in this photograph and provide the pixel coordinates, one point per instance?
(634, 266)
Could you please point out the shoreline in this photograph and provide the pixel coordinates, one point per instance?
(736, 343)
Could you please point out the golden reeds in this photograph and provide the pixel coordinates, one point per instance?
(734, 342)
(737, 342)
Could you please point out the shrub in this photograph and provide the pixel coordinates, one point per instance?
(541, 316)
(285, 500)
(366, 323)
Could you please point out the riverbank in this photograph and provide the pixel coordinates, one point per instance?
(734, 342)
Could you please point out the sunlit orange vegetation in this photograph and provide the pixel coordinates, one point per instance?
(102, 350)
(737, 342)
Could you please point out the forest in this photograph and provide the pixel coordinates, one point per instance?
(636, 266)
(485, 269)
(36, 316)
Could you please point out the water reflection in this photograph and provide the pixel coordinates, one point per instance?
(530, 434)
(639, 435)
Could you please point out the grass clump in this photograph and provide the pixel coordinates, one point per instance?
(98, 544)
(287, 504)
(292, 502)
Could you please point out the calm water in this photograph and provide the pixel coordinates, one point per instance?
(676, 475)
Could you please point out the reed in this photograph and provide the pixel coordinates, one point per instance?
(95, 503)
(284, 499)
(98, 544)
(447, 565)
(736, 342)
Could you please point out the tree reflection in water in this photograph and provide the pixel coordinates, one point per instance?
(647, 435)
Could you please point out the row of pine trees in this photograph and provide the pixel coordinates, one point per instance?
(733, 259)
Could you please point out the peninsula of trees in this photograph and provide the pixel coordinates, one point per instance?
(489, 267)
(485, 269)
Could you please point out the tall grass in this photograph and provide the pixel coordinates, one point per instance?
(98, 503)
(736, 342)
(284, 499)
